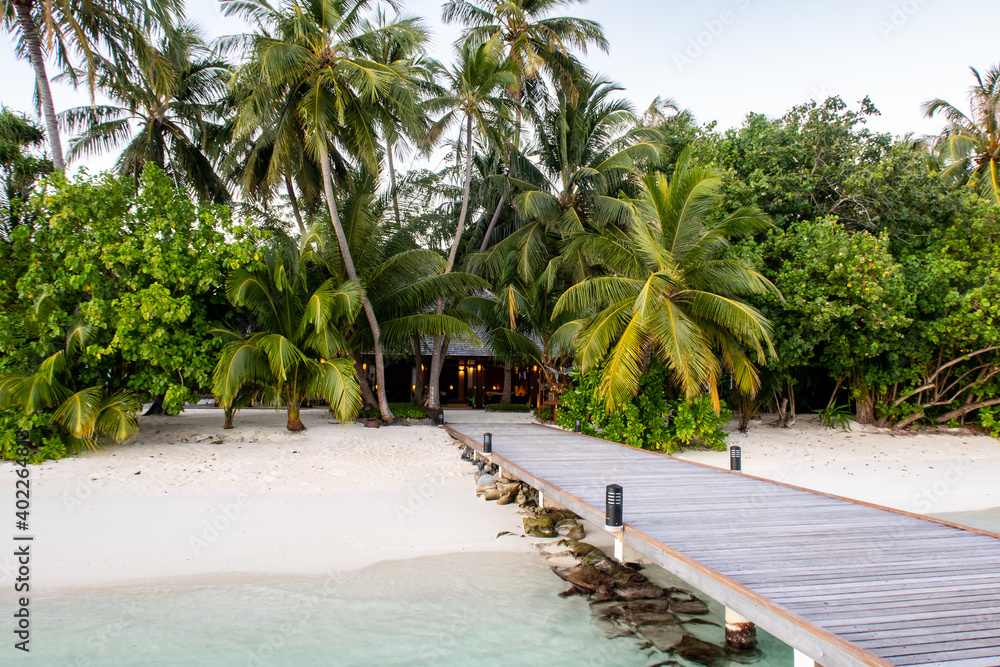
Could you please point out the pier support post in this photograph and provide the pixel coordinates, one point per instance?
(803, 660)
(741, 633)
(619, 545)
(541, 499)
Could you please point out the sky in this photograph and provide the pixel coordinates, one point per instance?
(723, 59)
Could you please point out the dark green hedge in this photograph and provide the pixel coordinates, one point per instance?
(513, 407)
(401, 410)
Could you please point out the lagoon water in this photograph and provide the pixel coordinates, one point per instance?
(984, 519)
(457, 609)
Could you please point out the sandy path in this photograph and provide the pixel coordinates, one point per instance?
(922, 473)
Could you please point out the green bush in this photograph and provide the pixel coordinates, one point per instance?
(650, 420)
(47, 441)
(989, 419)
(400, 410)
(544, 414)
(513, 407)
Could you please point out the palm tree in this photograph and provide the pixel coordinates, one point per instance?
(294, 351)
(315, 61)
(473, 84)
(166, 107)
(81, 29)
(402, 116)
(972, 143)
(402, 279)
(19, 169)
(670, 291)
(85, 413)
(533, 43)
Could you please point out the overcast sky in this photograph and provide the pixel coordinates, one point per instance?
(725, 58)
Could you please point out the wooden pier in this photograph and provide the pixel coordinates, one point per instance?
(841, 581)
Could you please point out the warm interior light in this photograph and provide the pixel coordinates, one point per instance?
(364, 367)
(451, 387)
(494, 387)
(535, 368)
(479, 367)
(413, 386)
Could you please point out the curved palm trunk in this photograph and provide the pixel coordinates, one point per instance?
(34, 44)
(437, 360)
(392, 183)
(493, 223)
(345, 254)
(294, 201)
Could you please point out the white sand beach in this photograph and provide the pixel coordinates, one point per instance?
(928, 473)
(189, 502)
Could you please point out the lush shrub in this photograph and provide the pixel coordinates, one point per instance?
(649, 420)
(513, 407)
(47, 440)
(144, 270)
(400, 410)
(544, 414)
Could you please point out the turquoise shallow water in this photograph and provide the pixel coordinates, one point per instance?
(459, 609)
(985, 519)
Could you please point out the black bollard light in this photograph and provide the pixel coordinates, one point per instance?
(487, 443)
(613, 506)
(735, 462)
(441, 418)
(577, 425)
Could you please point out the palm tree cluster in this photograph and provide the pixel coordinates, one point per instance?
(569, 230)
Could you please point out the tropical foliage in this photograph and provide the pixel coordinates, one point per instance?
(668, 291)
(795, 263)
(144, 271)
(971, 143)
(294, 348)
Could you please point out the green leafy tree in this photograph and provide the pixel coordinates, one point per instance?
(145, 271)
(801, 166)
(294, 350)
(670, 293)
(846, 310)
(971, 143)
(954, 342)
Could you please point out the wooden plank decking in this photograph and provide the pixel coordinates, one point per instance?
(844, 582)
